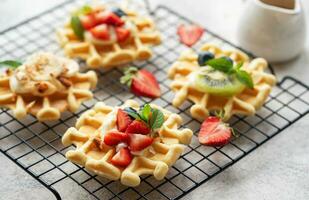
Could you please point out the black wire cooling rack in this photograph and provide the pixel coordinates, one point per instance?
(36, 147)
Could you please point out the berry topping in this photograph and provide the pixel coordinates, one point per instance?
(138, 127)
(214, 132)
(100, 32)
(123, 120)
(138, 142)
(189, 34)
(108, 17)
(141, 82)
(88, 21)
(122, 34)
(115, 137)
(204, 56)
(119, 12)
(122, 158)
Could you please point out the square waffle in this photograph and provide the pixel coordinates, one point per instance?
(245, 103)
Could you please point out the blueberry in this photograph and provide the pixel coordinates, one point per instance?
(204, 56)
(228, 59)
(119, 12)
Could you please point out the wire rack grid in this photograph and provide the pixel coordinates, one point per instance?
(36, 147)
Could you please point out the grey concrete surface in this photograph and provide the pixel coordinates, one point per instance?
(277, 170)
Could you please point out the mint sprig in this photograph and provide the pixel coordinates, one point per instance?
(11, 63)
(223, 64)
(153, 117)
(84, 10)
(77, 27)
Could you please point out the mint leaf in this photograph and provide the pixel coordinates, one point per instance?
(144, 113)
(132, 112)
(84, 10)
(221, 64)
(156, 119)
(244, 78)
(77, 27)
(11, 63)
(239, 65)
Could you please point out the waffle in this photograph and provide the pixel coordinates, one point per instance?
(245, 103)
(96, 54)
(44, 99)
(155, 160)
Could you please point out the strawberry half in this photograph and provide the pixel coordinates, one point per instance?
(214, 132)
(141, 82)
(123, 120)
(100, 32)
(122, 34)
(189, 34)
(122, 158)
(108, 17)
(114, 137)
(138, 142)
(138, 127)
(88, 21)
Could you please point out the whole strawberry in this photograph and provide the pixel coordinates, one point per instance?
(214, 132)
(141, 82)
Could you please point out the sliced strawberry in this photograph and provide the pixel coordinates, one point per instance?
(122, 158)
(138, 127)
(123, 120)
(138, 142)
(214, 132)
(189, 34)
(108, 17)
(122, 34)
(114, 137)
(88, 21)
(100, 32)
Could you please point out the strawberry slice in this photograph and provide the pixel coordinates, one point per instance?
(108, 17)
(141, 82)
(88, 21)
(100, 32)
(114, 137)
(122, 34)
(122, 158)
(138, 127)
(138, 142)
(189, 34)
(214, 132)
(123, 120)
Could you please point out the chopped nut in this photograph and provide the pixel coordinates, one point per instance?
(65, 81)
(98, 142)
(42, 87)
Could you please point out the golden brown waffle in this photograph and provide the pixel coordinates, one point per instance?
(246, 103)
(43, 103)
(155, 160)
(137, 47)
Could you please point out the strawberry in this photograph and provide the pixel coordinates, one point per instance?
(100, 32)
(114, 137)
(122, 34)
(88, 21)
(123, 120)
(214, 132)
(138, 142)
(189, 34)
(108, 17)
(141, 82)
(122, 158)
(138, 127)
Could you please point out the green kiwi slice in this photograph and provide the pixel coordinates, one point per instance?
(216, 82)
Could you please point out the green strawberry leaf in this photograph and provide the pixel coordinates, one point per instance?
(221, 64)
(245, 78)
(157, 119)
(77, 27)
(11, 63)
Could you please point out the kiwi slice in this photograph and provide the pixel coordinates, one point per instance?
(216, 82)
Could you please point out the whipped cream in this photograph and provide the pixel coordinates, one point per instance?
(109, 122)
(40, 74)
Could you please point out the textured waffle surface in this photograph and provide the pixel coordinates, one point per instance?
(155, 160)
(245, 103)
(137, 47)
